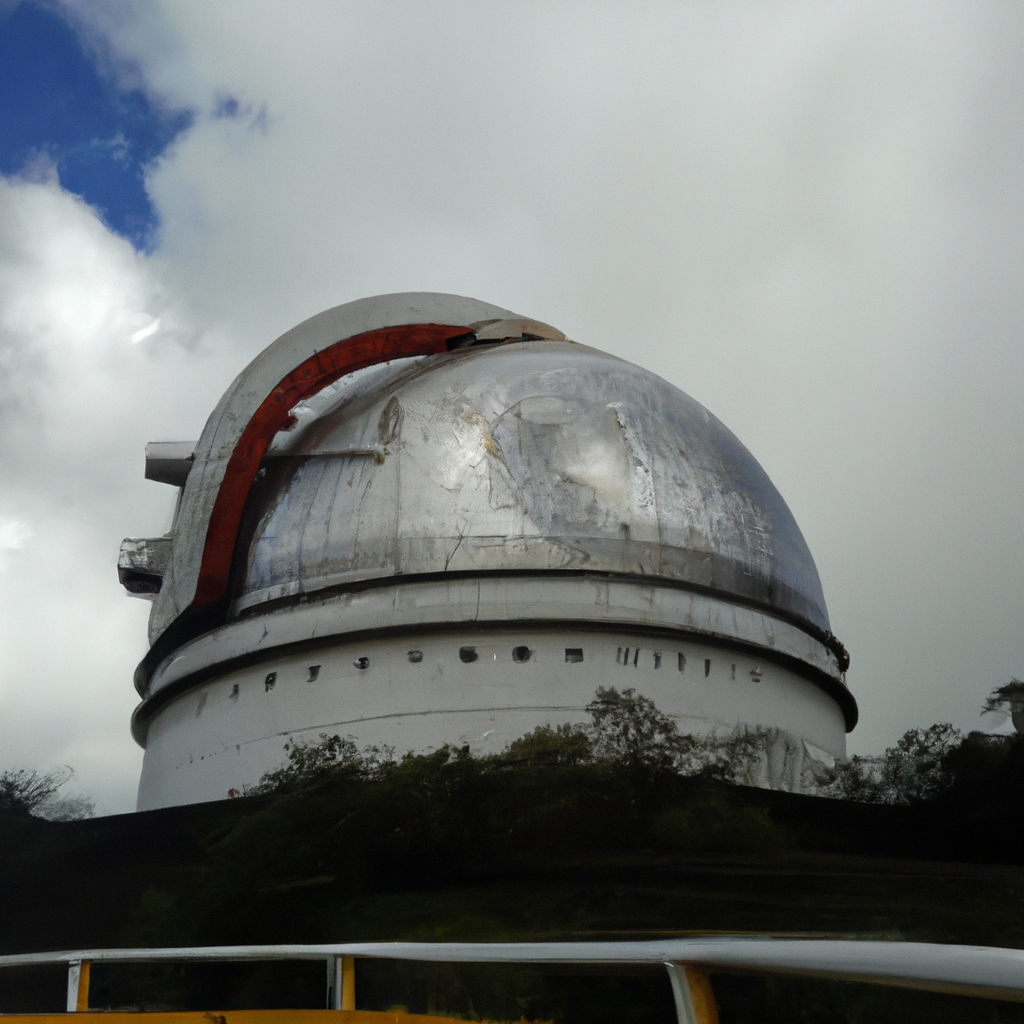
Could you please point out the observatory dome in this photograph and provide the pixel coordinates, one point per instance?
(530, 456)
(420, 519)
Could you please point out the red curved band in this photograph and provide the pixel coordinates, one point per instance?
(305, 380)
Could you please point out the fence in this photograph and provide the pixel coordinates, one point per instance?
(981, 971)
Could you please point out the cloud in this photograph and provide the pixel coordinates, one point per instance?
(13, 534)
(76, 408)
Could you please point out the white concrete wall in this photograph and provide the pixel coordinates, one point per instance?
(224, 734)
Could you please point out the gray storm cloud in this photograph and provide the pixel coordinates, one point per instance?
(808, 217)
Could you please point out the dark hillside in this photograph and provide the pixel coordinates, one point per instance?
(443, 848)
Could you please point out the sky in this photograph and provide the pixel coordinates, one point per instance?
(809, 217)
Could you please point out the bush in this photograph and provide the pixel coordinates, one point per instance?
(711, 822)
(549, 746)
(629, 733)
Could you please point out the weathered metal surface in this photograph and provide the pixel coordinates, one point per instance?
(520, 327)
(141, 564)
(78, 986)
(982, 971)
(206, 524)
(540, 456)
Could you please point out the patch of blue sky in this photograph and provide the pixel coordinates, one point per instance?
(59, 107)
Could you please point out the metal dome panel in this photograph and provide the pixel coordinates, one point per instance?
(539, 456)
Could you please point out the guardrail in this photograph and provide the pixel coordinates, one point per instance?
(981, 971)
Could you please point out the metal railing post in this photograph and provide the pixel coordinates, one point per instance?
(334, 983)
(695, 1000)
(78, 986)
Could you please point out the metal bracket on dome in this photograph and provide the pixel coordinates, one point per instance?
(258, 404)
(517, 329)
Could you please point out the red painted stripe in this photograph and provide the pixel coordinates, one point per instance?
(305, 380)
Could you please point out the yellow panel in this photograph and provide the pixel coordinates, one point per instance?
(348, 983)
(704, 1006)
(232, 1017)
(82, 1002)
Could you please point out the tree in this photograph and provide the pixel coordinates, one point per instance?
(552, 746)
(1008, 699)
(917, 768)
(34, 793)
(334, 756)
(920, 767)
(630, 729)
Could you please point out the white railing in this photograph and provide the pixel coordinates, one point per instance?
(982, 971)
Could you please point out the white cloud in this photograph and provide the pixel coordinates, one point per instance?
(13, 534)
(78, 401)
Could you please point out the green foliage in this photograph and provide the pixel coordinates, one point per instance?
(333, 756)
(552, 746)
(917, 768)
(1009, 700)
(1006, 698)
(629, 729)
(920, 767)
(631, 740)
(34, 793)
(985, 764)
(733, 758)
(712, 821)
(854, 778)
